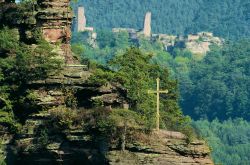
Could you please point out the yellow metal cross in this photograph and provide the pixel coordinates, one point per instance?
(158, 92)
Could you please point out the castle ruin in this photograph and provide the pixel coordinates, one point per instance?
(147, 25)
(82, 21)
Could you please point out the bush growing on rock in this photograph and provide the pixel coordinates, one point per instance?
(19, 64)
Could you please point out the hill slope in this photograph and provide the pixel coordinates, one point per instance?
(226, 18)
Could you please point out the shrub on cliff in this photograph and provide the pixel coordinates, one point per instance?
(22, 62)
(19, 64)
(136, 72)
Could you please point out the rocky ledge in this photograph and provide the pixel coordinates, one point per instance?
(163, 148)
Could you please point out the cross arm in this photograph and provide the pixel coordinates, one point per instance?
(151, 91)
(165, 91)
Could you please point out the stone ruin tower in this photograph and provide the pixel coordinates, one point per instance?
(81, 19)
(147, 25)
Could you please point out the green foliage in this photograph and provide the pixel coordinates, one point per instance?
(229, 140)
(137, 74)
(8, 39)
(43, 139)
(226, 18)
(70, 99)
(219, 84)
(121, 40)
(102, 76)
(122, 116)
(2, 160)
(62, 117)
(105, 38)
(109, 45)
(20, 64)
(113, 125)
(2, 156)
(77, 49)
(24, 63)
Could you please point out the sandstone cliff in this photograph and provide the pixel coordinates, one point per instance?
(163, 148)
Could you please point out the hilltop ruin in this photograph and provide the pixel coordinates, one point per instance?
(198, 44)
(147, 25)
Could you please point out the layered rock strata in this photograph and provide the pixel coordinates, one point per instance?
(163, 148)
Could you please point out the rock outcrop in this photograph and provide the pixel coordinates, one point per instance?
(52, 19)
(74, 146)
(163, 148)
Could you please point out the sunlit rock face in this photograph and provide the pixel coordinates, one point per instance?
(55, 18)
(51, 19)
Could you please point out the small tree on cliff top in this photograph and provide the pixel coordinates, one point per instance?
(135, 71)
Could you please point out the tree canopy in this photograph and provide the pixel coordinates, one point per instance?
(137, 74)
(220, 84)
(20, 64)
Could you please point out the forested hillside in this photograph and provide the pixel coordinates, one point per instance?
(219, 86)
(229, 140)
(215, 87)
(226, 18)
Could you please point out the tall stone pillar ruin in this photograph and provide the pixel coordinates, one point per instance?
(147, 25)
(81, 19)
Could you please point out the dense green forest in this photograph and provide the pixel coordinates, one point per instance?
(225, 18)
(230, 140)
(219, 84)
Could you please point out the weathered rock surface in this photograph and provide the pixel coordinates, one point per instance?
(163, 148)
(74, 146)
(55, 18)
(51, 18)
(71, 146)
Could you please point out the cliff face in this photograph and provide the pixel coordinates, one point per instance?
(74, 146)
(51, 18)
(43, 139)
(55, 18)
